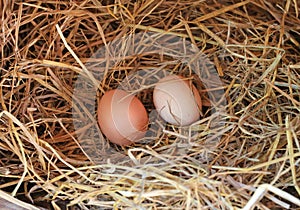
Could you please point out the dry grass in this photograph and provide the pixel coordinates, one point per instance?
(46, 161)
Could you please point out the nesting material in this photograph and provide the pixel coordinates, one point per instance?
(49, 162)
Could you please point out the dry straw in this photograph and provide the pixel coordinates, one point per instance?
(254, 46)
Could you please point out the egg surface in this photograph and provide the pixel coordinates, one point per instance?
(122, 117)
(177, 100)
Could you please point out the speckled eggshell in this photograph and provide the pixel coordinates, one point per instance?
(122, 117)
(177, 100)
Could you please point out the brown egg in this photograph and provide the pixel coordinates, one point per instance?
(177, 100)
(122, 117)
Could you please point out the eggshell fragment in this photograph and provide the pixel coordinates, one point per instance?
(122, 117)
(177, 100)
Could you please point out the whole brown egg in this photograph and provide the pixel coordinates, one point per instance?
(122, 117)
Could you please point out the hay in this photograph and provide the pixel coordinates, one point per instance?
(254, 46)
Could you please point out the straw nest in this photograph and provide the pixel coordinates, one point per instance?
(45, 158)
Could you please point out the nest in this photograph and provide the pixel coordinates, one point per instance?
(59, 57)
